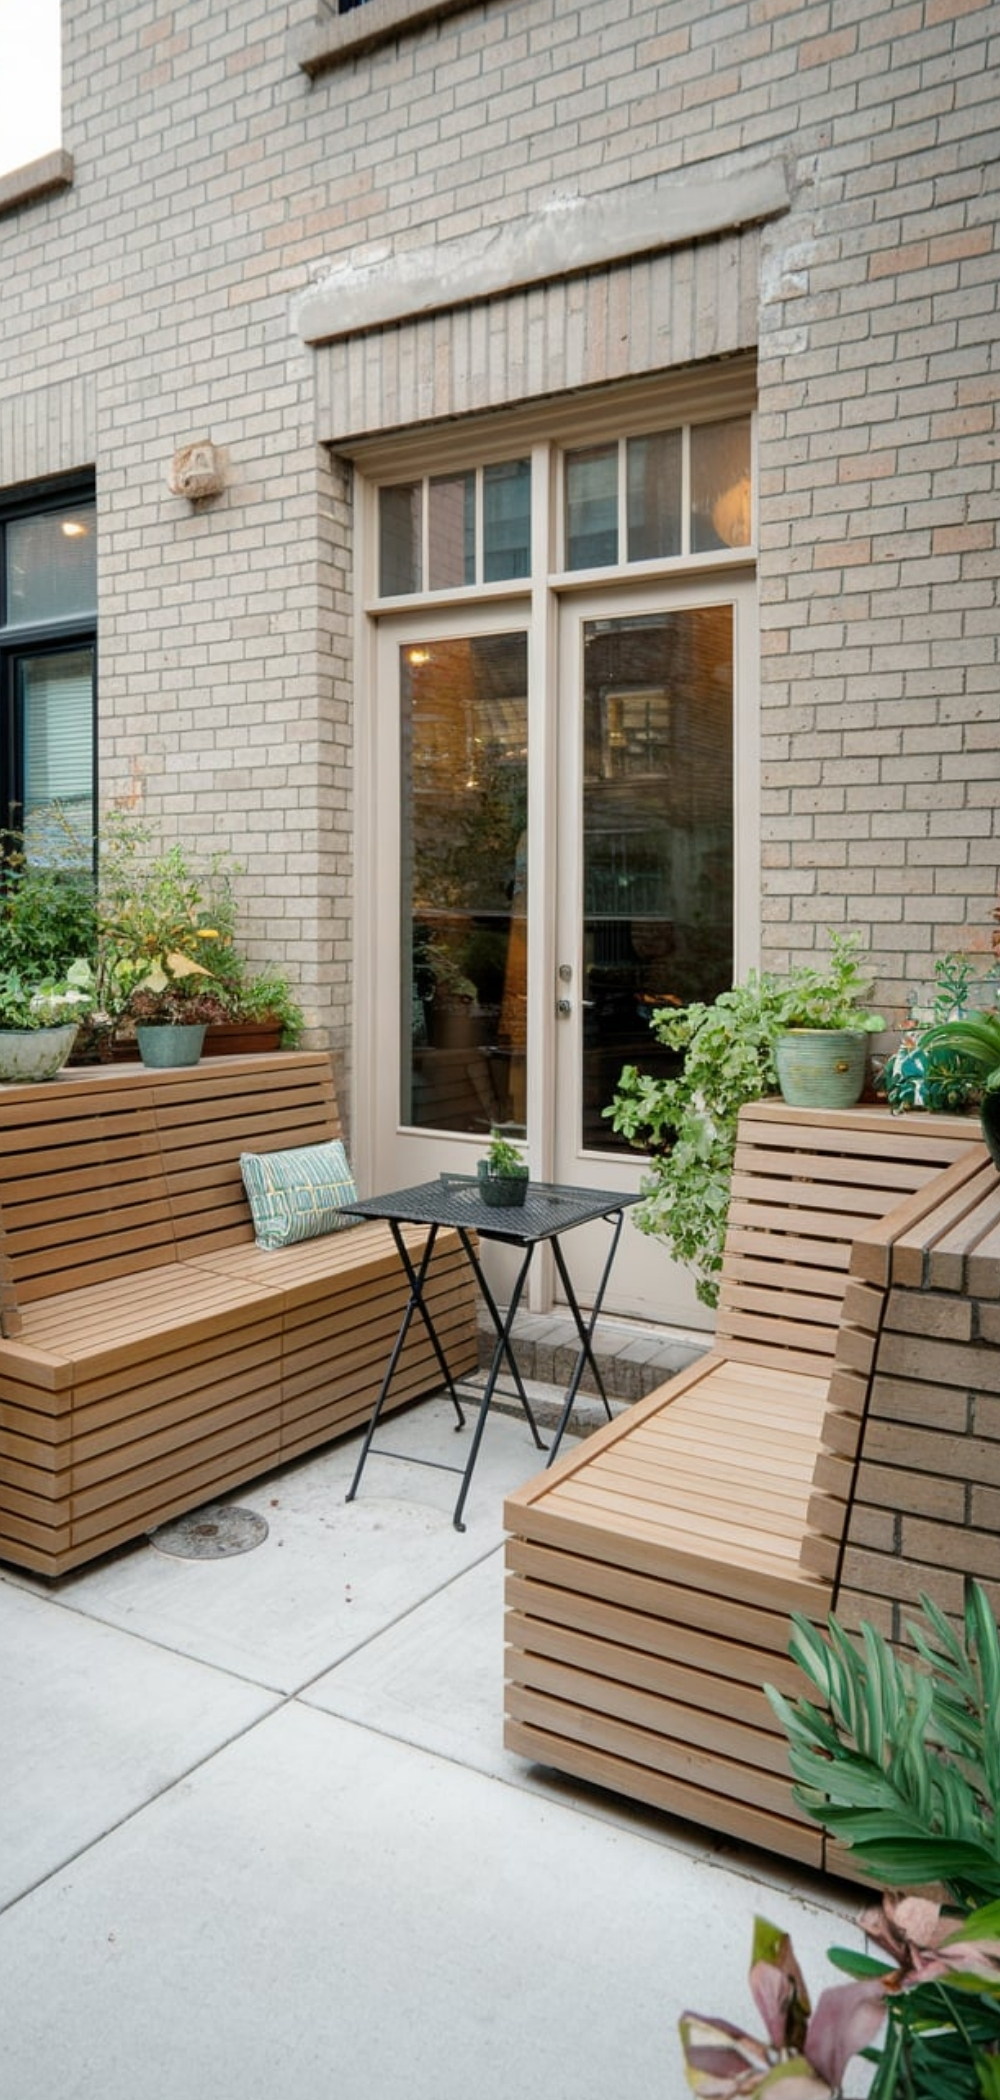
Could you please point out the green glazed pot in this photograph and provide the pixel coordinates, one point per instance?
(821, 1067)
(170, 1043)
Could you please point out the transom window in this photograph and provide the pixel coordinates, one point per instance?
(659, 496)
(447, 530)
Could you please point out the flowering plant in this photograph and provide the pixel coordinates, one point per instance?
(903, 1764)
(54, 1003)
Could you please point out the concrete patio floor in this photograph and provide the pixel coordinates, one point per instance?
(259, 1834)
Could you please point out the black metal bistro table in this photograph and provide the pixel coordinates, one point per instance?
(454, 1201)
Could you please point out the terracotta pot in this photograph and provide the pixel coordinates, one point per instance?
(239, 1038)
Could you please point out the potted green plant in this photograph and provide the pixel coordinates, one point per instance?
(966, 1050)
(687, 1123)
(503, 1174)
(38, 1022)
(152, 932)
(821, 1047)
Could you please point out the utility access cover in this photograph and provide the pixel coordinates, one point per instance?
(213, 1532)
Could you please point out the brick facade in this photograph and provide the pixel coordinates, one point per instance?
(217, 185)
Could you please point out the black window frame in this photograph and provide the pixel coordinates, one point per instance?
(37, 638)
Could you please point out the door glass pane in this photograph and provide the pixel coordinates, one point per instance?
(592, 507)
(51, 566)
(720, 485)
(507, 520)
(463, 928)
(56, 725)
(399, 540)
(654, 495)
(451, 531)
(657, 837)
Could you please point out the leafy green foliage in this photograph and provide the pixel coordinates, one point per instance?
(970, 1045)
(905, 1766)
(47, 912)
(688, 1123)
(502, 1157)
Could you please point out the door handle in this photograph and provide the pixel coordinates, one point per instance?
(564, 1007)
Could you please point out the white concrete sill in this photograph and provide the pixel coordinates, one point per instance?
(38, 178)
(342, 37)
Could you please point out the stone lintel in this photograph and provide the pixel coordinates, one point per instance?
(569, 236)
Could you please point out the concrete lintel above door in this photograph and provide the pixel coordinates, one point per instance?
(569, 235)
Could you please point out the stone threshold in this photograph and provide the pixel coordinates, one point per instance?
(633, 1359)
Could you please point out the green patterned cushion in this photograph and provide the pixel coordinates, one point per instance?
(300, 1194)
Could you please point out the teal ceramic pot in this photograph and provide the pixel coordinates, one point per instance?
(989, 1117)
(821, 1067)
(30, 1054)
(170, 1043)
(502, 1191)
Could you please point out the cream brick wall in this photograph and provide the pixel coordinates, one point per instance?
(153, 302)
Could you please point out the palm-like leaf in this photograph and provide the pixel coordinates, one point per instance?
(905, 1763)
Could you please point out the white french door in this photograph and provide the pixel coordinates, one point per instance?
(554, 847)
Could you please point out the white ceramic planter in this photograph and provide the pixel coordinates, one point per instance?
(30, 1054)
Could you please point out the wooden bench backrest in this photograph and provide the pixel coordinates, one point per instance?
(110, 1170)
(807, 1186)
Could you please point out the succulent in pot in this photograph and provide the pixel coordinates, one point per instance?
(503, 1174)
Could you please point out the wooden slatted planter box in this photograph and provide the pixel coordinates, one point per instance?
(152, 1356)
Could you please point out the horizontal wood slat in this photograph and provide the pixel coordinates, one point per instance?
(152, 1355)
(652, 1572)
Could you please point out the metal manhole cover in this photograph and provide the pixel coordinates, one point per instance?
(213, 1532)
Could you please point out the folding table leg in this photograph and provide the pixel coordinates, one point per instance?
(585, 1330)
(502, 1349)
(415, 1303)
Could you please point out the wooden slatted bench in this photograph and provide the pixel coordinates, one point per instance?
(651, 1571)
(152, 1356)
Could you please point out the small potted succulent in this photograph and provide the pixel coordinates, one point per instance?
(503, 1175)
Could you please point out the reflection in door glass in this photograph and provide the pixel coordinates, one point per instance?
(463, 927)
(657, 837)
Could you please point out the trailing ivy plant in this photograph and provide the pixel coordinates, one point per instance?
(688, 1123)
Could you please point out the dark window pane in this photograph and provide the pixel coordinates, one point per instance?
(657, 836)
(507, 520)
(654, 495)
(56, 705)
(399, 540)
(51, 566)
(592, 507)
(463, 924)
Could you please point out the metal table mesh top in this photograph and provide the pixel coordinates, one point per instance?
(454, 1199)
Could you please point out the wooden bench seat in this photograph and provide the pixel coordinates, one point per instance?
(152, 1355)
(651, 1571)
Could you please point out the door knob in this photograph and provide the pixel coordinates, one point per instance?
(564, 1006)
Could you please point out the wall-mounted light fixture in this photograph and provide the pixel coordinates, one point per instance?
(197, 472)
